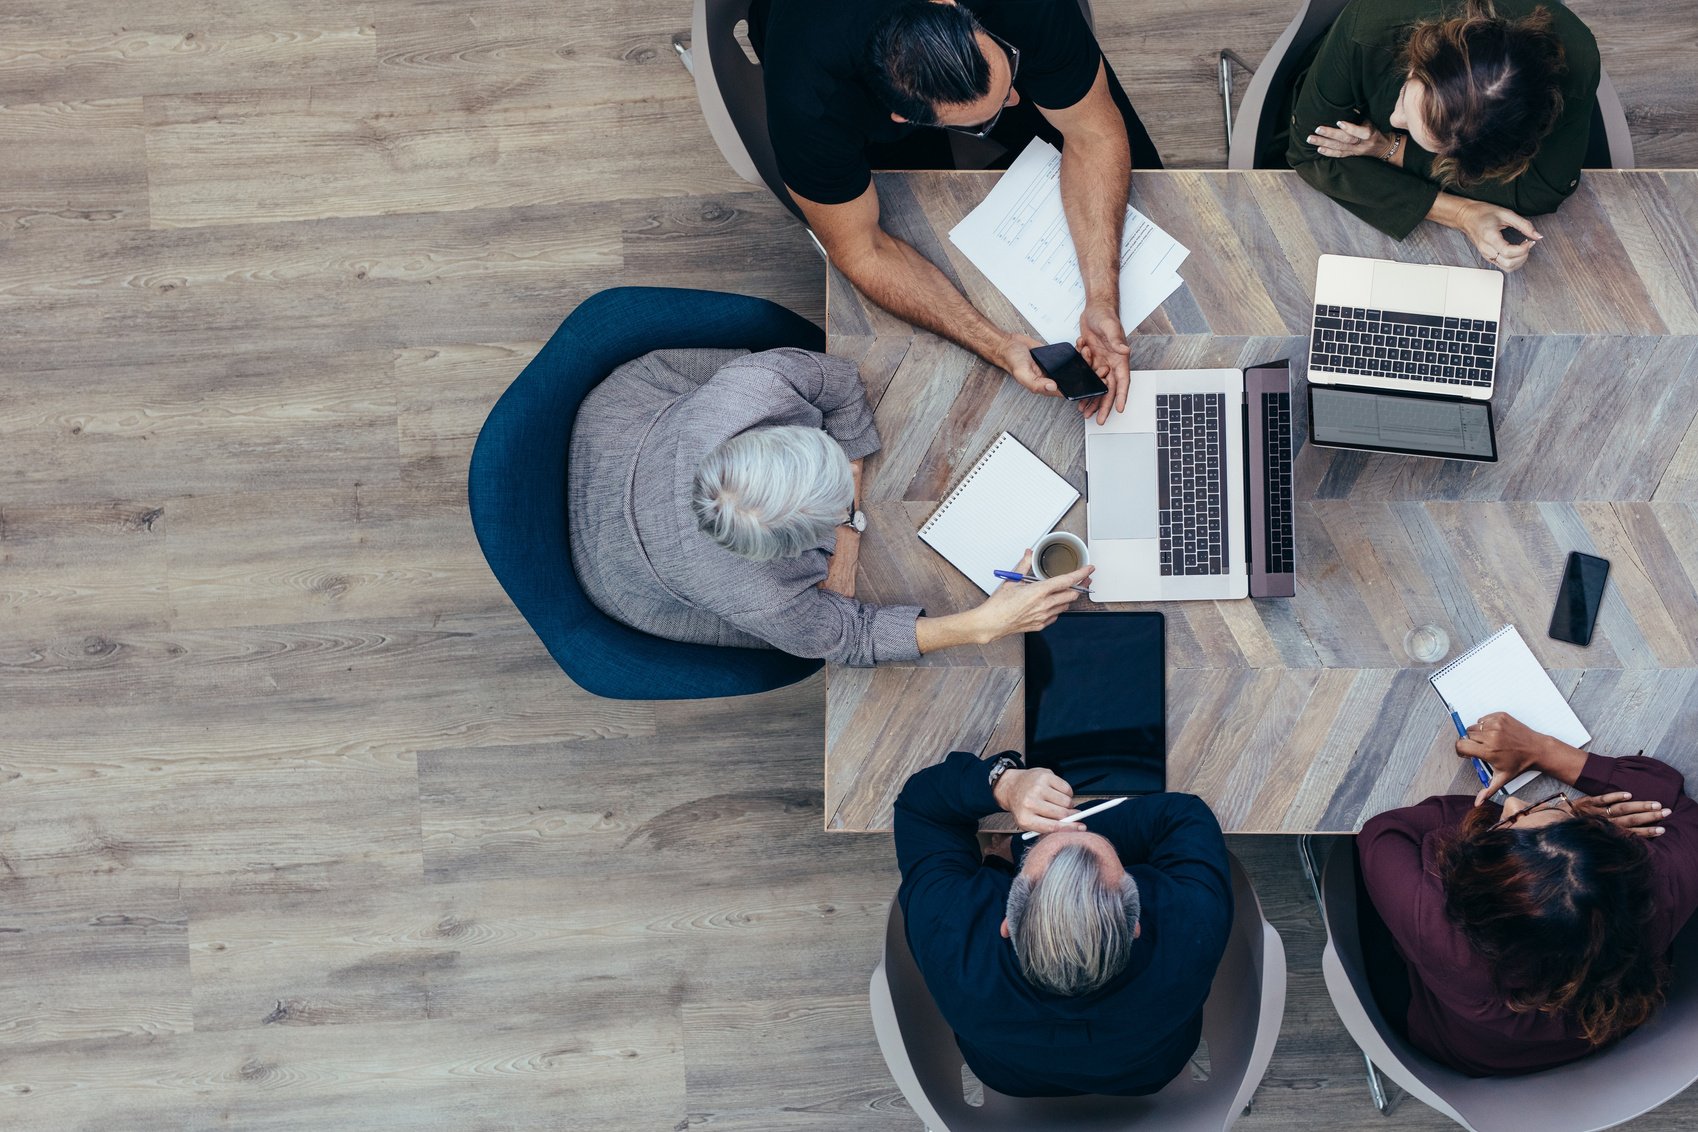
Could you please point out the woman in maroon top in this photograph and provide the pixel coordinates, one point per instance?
(1539, 933)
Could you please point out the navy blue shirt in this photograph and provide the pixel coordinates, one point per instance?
(1135, 1034)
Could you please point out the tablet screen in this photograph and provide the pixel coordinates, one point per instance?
(1096, 702)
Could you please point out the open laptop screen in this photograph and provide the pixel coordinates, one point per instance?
(1096, 702)
(1409, 423)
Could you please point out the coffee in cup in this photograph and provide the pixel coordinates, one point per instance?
(1059, 553)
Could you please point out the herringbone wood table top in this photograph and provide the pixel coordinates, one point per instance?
(1307, 714)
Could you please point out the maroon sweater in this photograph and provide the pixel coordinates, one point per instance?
(1457, 1014)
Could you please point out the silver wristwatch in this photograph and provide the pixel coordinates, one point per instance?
(1003, 764)
(857, 520)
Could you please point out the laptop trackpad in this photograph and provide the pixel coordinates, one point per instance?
(1411, 288)
(1122, 501)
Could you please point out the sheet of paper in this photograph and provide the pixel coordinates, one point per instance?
(1018, 237)
(1502, 674)
(1006, 503)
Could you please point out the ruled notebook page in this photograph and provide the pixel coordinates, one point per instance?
(1006, 503)
(1502, 674)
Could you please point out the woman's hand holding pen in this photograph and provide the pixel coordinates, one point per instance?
(1026, 607)
(1510, 747)
(1037, 798)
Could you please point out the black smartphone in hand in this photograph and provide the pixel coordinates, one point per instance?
(1075, 378)
(1578, 600)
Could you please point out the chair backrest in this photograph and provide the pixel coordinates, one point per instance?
(1637, 1074)
(1610, 147)
(1240, 1024)
(731, 89)
(1265, 95)
(516, 488)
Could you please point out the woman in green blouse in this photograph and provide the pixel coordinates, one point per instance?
(1472, 114)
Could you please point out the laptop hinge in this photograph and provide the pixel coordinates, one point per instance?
(1249, 529)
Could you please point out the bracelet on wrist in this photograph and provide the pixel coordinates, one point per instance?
(1396, 144)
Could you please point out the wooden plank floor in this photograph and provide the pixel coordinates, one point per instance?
(300, 828)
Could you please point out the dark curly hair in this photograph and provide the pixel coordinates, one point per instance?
(1494, 90)
(1560, 912)
(922, 54)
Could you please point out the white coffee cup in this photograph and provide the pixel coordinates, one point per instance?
(1062, 548)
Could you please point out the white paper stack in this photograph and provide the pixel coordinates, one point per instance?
(1018, 237)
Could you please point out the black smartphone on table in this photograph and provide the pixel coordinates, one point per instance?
(1072, 375)
(1578, 600)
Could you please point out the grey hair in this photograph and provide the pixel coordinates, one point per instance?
(772, 492)
(1071, 932)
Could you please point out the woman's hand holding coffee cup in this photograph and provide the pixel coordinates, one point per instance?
(1026, 607)
(1058, 553)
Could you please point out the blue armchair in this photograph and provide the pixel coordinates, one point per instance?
(517, 491)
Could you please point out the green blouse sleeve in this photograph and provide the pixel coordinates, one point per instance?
(1336, 88)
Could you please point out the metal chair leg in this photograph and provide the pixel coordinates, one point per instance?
(818, 247)
(1306, 852)
(1375, 1088)
(680, 46)
(1229, 57)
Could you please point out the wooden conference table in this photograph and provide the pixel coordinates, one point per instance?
(1307, 714)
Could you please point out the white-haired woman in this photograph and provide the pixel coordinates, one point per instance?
(712, 497)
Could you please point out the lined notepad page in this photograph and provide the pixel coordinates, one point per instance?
(1009, 501)
(1502, 674)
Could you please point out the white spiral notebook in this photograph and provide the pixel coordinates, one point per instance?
(1502, 674)
(1009, 501)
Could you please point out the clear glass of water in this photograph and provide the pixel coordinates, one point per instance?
(1426, 644)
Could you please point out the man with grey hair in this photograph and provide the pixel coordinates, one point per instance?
(1083, 968)
(713, 496)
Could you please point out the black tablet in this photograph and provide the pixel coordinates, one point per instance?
(1096, 702)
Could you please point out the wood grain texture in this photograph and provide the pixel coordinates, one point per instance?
(1307, 714)
(301, 828)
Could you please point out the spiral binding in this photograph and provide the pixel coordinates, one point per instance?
(962, 486)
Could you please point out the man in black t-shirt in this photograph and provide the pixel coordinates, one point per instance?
(853, 84)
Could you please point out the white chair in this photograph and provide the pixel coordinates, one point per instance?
(729, 86)
(1634, 1076)
(1611, 146)
(1240, 1024)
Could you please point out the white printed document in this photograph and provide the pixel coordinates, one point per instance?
(1018, 237)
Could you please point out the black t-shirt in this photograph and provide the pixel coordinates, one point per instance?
(822, 114)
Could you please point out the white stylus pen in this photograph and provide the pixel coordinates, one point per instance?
(1080, 816)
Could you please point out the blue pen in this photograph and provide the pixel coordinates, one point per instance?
(1017, 576)
(1479, 767)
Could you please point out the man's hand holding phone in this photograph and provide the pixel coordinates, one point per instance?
(1064, 366)
(1102, 343)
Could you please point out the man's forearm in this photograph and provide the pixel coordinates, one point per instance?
(1096, 176)
(903, 282)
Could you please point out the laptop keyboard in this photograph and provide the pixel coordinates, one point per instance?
(1415, 347)
(1190, 456)
(1276, 493)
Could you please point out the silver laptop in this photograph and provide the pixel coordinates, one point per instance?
(1405, 326)
(1190, 490)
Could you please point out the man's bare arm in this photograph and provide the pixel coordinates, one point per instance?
(1096, 175)
(902, 281)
